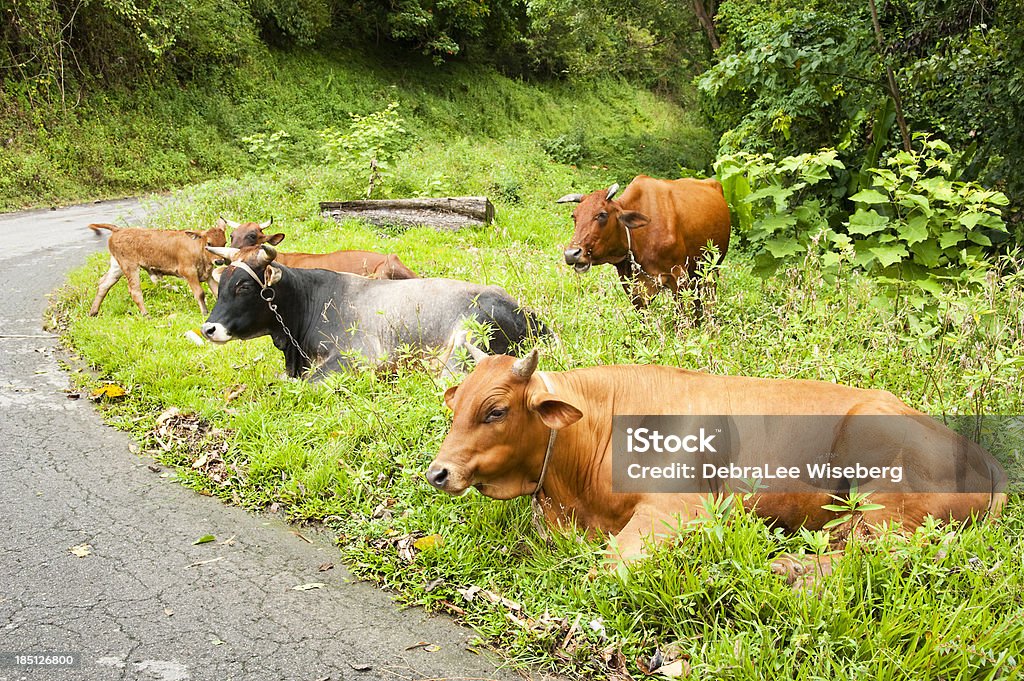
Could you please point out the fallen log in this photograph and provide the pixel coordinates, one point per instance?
(448, 213)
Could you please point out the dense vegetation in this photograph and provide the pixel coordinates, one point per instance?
(863, 256)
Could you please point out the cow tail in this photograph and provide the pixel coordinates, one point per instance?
(97, 226)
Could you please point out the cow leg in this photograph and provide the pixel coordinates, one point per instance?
(801, 571)
(647, 523)
(197, 291)
(107, 281)
(638, 293)
(135, 287)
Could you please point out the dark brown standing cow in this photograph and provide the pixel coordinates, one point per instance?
(518, 431)
(364, 263)
(656, 234)
(178, 253)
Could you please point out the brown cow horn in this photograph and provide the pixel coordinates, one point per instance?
(229, 223)
(476, 353)
(525, 366)
(612, 191)
(570, 198)
(265, 255)
(264, 225)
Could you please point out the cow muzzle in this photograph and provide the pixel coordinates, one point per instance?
(216, 333)
(573, 256)
(437, 476)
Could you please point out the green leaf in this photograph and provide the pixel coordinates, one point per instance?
(838, 521)
(867, 222)
(783, 247)
(973, 219)
(915, 229)
(891, 254)
(950, 238)
(205, 539)
(919, 201)
(869, 196)
(927, 253)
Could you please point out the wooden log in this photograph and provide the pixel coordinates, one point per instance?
(448, 213)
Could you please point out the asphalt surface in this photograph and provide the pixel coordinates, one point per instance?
(145, 602)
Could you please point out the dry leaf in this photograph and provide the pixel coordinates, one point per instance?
(109, 391)
(324, 567)
(308, 587)
(82, 550)
(234, 392)
(431, 541)
(674, 670)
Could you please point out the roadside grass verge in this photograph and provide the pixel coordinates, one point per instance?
(160, 135)
(350, 452)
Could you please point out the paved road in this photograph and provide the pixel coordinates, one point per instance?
(135, 607)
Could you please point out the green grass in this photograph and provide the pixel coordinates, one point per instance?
(164, 135)
(350, 452)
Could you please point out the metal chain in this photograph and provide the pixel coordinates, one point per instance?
(287, 332)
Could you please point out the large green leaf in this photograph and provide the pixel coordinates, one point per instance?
(951, 237)
(914, 230)
(985, 219)
(890, 254)
(867, 222)
(927, 253)
(783, 247)
(870, 196)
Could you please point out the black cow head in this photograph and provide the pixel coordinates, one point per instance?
(599, 237)
(241, 311)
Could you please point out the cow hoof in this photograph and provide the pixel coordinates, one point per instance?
(801, 572)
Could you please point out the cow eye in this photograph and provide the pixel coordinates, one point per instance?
(496, 414)
(602, 216)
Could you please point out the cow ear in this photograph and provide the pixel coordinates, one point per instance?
(272, 276)
(275, 239)
(555, 413)
(194, 234)
(449, 396)
(217, 272)
(633, 219)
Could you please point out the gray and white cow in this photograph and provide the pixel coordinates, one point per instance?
(341, 320)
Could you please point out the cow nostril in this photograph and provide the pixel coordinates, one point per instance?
(209, 330)
(572, 255)
(438, 477)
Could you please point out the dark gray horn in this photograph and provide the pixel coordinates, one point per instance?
(570, 198)
(476, 353)
(525, 366)
(229, 223)
(612, 191)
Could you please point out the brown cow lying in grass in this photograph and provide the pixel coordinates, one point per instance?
(364, 263)
(506, 411)
(179, 253)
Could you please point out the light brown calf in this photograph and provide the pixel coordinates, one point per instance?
(364, 263)
(179, 253)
